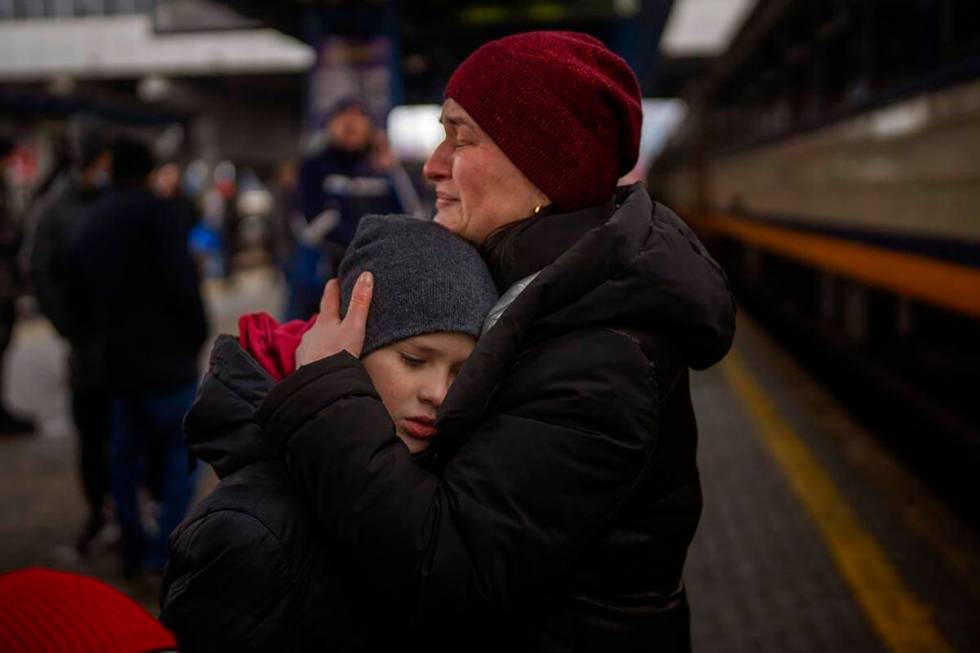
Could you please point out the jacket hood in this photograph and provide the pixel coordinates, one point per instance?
(646, 270)
(641, 268)
(220, 428)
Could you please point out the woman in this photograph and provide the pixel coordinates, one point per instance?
(248, 569)
(566, 492)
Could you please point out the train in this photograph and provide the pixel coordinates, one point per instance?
(843, 199)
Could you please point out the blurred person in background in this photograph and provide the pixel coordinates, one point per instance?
(142, 298)
(11, 287)
(206, 237)
(62, 159)
(286, 216)
(223, 198)
(167, 184)
(255, 204)
(337, 187)
(57, 222)
(565, 490)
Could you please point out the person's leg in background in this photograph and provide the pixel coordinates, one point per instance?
(90, 411)
(129, 430)
(177, 482)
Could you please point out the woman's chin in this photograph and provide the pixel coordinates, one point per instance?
(450, 218)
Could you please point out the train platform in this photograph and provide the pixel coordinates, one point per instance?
(814, 537)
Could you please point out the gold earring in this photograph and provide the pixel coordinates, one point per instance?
(537, 209)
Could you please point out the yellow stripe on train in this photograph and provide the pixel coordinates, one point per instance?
(946, 285)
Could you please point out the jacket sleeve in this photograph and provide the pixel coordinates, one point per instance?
(226, 586)
(555, 456)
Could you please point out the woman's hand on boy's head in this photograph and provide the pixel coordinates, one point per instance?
(331, 335)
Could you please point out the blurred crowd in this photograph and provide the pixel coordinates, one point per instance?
(113, 242)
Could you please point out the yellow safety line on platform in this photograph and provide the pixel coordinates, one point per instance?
(948, 285)
(903, 622)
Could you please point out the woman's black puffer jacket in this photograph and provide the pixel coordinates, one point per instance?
(566, 492)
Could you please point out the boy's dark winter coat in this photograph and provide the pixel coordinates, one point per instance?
(248, 569)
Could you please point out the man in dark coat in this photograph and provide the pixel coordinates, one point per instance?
(142, 301)
(57, 223)
(566, 491)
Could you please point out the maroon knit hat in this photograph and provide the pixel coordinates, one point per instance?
(562, 107)
(44, 610)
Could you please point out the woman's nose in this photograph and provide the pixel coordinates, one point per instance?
(438, 166)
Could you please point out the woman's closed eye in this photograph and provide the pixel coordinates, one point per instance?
(462, 136)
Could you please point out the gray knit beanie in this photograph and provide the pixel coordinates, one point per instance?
(426, 279)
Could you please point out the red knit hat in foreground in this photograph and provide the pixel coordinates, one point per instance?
(563, 108)
(43, 610)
